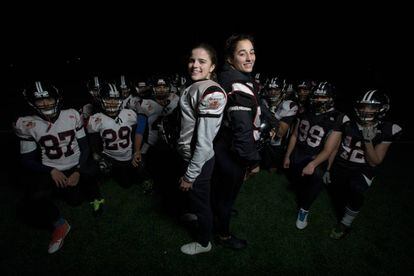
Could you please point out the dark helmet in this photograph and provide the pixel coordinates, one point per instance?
(161, 87)
(93, 86)
(41, 90)
(275, 91)
(371, 106)
(110, 98)
(303, 89)
(124, 86)
(322, 98)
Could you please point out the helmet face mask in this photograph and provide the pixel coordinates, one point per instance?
(367, 113)
(47, 106)
(111, 106)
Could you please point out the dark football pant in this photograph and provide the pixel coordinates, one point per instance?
(200, 205)
(308, 187)
(123, 172)
(228, 176)
(348, 186)
(40, 193)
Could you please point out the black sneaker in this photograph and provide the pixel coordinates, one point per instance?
(232, 242)
(340, 231)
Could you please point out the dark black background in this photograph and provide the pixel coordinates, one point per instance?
(352, 46)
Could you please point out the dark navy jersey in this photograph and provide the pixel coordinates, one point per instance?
(351, 151)
(314, 130)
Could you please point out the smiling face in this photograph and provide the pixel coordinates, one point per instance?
(243, 57)
(200, 65)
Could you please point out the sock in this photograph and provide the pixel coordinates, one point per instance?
(303, 214)
(349, 216)
(59, 222)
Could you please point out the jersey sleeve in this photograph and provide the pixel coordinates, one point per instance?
(94, 123)
(80, 131)
(22, 129)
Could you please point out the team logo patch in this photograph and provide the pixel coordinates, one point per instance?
(29, 124)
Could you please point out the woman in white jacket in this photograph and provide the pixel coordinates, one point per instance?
(202, 105)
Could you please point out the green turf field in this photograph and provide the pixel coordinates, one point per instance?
(134, 237)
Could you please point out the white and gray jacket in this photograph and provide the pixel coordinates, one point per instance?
(202, 105)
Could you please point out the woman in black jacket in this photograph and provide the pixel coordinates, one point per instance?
(235, 146)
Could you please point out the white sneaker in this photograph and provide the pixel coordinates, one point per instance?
(195, 248)
(302, 219)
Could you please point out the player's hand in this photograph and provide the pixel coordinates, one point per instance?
(286, 162)
(59, 178)
(185, 185)
(326, 178)
(309, 169)
(73, 179)
(369, 132)
(136, 159)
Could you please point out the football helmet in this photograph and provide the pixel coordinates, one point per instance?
(44, 98)
(143, 89)
(111, 99)
(371, 107)
(124, 87)
(275, 91)
(321, 99)
(93, 87)
(161, 87)
(303, 90)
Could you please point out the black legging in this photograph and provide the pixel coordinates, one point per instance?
(228, 177)
(200, 203)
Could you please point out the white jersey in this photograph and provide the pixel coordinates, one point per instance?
(57, 141)
(154, 111)
(115, 133)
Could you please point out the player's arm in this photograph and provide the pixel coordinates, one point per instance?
(331, 143)
(291, 146)
(138, 137)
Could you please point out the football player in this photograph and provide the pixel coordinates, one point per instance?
(116, 129)
(62, 168)
(314, 139)
(364, 145)
(279, 113)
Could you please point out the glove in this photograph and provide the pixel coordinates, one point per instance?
(104, 166)
(369, 132)
(326, 178)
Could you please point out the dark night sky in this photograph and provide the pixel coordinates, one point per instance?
(353, 47)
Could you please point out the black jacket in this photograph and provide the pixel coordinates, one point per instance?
(240, 122)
